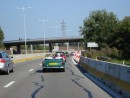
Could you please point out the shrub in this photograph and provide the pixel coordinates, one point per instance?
(103, 54)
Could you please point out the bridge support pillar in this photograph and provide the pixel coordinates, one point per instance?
(31, 48)
(18, 49)
(50, 47)
(67, 46)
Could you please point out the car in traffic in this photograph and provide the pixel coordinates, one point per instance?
(67, 54)
(52, 62)
(6, 63)
(72, 53)
(62, 54)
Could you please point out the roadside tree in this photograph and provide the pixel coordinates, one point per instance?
(99, 27)
(1, 38)
(122, 37)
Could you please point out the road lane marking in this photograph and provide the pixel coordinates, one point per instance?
(40, 64)
(31, 69)
(74, 62)
(9, 84)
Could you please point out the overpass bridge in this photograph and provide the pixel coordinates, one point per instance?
(49, 41)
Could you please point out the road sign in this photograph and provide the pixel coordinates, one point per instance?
(92, 44)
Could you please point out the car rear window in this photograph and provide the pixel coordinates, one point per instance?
(0, 55)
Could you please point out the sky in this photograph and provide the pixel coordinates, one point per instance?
(72, 12)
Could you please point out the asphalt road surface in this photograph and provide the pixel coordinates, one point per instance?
(28, 81)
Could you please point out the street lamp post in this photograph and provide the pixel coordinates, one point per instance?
(43, 25)
(24, 21)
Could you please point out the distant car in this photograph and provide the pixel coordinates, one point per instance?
(6, 63)
(62, 54)
(72, 53)
(67, 54)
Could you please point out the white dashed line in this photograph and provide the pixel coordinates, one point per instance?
(9, 84)
(31, 69)
(40, 64)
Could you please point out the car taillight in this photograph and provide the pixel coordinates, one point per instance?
(2, 61)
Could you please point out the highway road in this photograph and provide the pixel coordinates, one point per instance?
(28, 81)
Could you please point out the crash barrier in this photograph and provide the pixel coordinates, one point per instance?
(77, 55)
(26, 57)
(115, 76)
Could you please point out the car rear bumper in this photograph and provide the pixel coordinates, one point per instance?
(2, 67)
(56, 67)
(2, 70)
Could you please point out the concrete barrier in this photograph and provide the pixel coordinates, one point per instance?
(125, 73)
(113, 70)
(101, 66)
(26, 57)
(115, 76)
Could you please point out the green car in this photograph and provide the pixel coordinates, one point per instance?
(52, 63)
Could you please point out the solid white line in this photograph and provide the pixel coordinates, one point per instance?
(31, 69)
(9, 84)
(74, 62)
(40, 64)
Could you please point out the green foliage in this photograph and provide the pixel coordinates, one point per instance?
(2, 46)
(91, 53)
(40, 47)
(1, 35)
(103, 54)
(105, 29)
(120, 61)
(1, 38)
(122, 37)
(110, 52)
(106, 54)
(99, 27)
